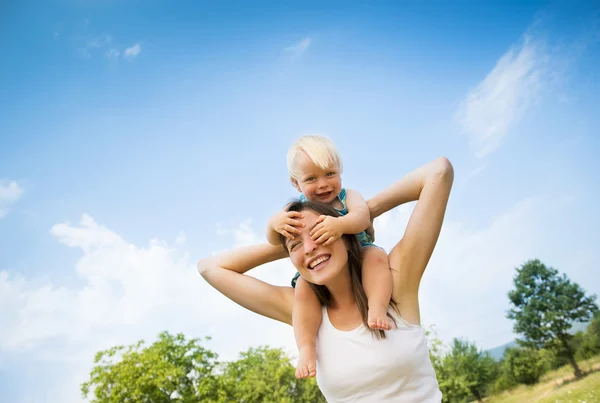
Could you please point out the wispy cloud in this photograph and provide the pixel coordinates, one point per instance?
(132, 51)
(106, 45)
(112, 54)
(10, 192)
(297, 49)
(92, 44)
(490, 110)
(99, 41)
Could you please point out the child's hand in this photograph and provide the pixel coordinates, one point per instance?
(287, 223)
(327, 230)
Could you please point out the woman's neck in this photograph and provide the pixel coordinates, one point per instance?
(341, 291)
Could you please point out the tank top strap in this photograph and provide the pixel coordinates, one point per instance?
(342, 198)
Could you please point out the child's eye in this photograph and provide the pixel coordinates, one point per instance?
(312, 178)
(330, 173)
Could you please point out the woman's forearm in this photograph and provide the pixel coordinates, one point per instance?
(408, 188)
(241, 260)
(225, 273)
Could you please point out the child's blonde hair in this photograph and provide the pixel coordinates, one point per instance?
(319, 149)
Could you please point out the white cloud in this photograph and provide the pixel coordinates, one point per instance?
(297, 49)
(181, 238)
(132, 51)
(10, 193)
(491, 109)
(125, 293)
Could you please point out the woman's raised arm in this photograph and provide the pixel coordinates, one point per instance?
(225, 272)
(430, 185)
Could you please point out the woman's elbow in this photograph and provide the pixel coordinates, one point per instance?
(442, 168)
(203, 266)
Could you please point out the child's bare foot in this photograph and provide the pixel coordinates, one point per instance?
(307, 363)
(377, 318)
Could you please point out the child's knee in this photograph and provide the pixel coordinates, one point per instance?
(375, 256)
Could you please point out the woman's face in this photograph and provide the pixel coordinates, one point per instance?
(318, 264)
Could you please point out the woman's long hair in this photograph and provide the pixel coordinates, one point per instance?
(354, 266)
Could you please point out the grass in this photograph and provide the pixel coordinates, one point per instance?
(558, 386)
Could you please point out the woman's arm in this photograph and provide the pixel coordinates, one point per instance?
(430, 185)
(225, 272)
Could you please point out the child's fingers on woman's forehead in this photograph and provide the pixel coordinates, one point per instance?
(295, 223)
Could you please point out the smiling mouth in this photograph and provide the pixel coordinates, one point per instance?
(318, 262)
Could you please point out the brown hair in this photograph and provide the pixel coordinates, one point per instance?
(354, 266)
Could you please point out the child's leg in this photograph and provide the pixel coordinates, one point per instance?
(377, 280)
(306, 318)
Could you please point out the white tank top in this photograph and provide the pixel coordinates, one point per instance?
(355, 366)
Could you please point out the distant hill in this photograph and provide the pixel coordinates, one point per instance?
(498, 352)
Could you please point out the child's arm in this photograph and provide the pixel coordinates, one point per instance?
(329, 229)
(359, 217)
(285, 223)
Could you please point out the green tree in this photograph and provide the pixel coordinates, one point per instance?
(465, 371)
(525, 365)
(266, 375)
(592, 343)
(594, 326)
(544, 307)
(172, 369)
(436, 347)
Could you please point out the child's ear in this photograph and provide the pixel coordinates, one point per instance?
(295, 184)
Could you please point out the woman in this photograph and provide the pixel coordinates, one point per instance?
(353, 365)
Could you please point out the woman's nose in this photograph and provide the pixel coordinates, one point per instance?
(309, 245)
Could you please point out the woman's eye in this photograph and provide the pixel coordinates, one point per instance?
(293, 246)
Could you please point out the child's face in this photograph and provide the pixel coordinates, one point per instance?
(317, 184)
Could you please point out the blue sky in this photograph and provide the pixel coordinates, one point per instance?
(137, 137)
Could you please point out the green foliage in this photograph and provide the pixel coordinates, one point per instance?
(174, 369)
(435, 346)
(525, 365)
(504, 382)
(266, 374)
(589, 343)
(170, 370)
(465, 372)
(594, 326)
(545, 305)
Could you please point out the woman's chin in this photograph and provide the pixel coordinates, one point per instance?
(315, 279)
